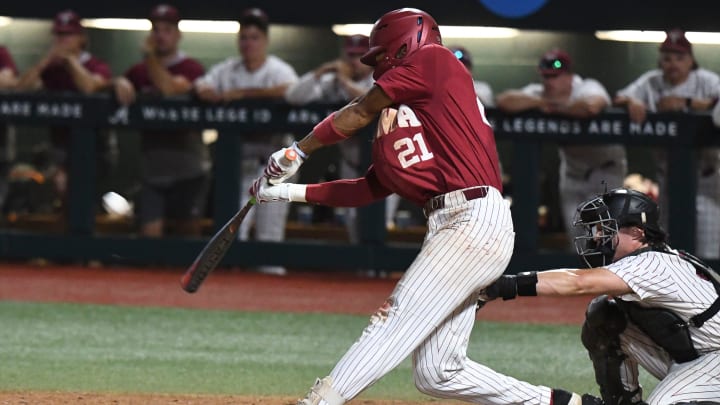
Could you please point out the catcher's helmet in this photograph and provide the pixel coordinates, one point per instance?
(406, 27)
(603, 215)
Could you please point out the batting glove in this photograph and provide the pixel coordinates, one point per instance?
(284, 163)
(265, 192)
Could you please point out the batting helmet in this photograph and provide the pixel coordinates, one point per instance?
(399, 33)
(603, 215)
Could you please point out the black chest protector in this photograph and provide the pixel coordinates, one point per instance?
(665, 327)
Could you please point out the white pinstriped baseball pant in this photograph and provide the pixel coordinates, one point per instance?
(431, 312)
(695, 380)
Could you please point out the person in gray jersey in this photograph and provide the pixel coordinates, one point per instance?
(253, 74)
(680, 85)
(584, 169)
(657, 307)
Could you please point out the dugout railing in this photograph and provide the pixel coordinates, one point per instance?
(681, 135)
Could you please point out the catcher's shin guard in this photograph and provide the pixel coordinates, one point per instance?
(604, 322)
(322, 393)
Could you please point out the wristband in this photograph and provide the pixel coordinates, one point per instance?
(296, 192)
(299, 151)
(326, 133)
(527, 283)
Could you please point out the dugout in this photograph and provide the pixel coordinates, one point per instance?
(522, 136)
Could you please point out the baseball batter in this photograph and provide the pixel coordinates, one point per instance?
(584, 169)
(680, 85)
(253, 74)
(434, 147)
(658, 307)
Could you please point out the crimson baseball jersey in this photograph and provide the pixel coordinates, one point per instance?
(181, 66)
(170, 155)
(6, 61)
(56, 77)
(442, 141)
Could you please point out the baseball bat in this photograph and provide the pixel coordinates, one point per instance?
(217, 247)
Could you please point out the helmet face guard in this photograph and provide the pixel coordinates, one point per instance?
(598, 243)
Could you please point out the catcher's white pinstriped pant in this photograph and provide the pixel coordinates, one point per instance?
(691, 381)
(431, 312)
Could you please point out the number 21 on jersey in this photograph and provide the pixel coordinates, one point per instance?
(412, 150)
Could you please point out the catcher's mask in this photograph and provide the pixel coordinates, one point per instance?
(603, 215)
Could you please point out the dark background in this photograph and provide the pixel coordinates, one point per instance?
(569, 15)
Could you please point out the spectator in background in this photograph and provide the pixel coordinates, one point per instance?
(8, 70)
(680, 85)
(175, 163)
(482, 89)
(584, 170)
(253, 74)
(339, 81)
(8, 80)
(68, 66)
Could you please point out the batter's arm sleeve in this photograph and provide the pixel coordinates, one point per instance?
(348, 193)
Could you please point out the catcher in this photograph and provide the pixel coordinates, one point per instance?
(657, 309)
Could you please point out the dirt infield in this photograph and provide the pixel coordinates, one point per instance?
(299, 291)
(63, 398)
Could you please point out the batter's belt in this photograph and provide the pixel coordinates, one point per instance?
(438, 202)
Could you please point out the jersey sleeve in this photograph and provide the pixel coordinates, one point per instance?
(99, 68)
(593, 88)
(6, 61)
(405, 84)
(532, 89)
(133, 75)
(348, 193)
(212, 76)
(305, 90)
(192, 70)
(644, 274)
(710, 84)
(285, 74)
(640, 88)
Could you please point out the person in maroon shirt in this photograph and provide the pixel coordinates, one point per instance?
(176, 166)
(8, 70)
(68, 67)
(434, 147)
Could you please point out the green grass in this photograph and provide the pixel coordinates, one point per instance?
(73, 347)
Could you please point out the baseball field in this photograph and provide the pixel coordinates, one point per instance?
(117, 335)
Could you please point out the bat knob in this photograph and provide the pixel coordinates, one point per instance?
(290, 154)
